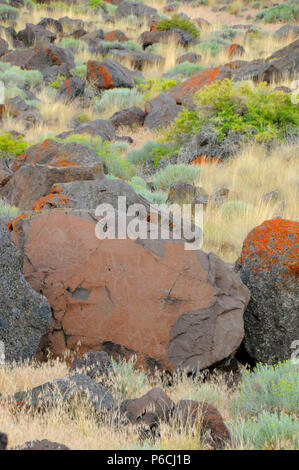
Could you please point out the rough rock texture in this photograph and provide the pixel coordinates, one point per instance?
(108, 74)
(286, 31)
(128, 117)
(35, 33)
(169, 306)
(269, 267)
(180, 191)
(99, 127)
(98, 366)
(134, 8)
(24, 314)
(89, 194)
(46, 164)
(210, 421)
(189, 57)
(77, 387)
(160, 111)
(183, 94)
(41, 445)
(206, 144)
(283, 64)
(3, 441)
(5, 172)
(154, 401)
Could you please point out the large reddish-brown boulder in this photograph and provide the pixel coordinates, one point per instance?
(183, 94)
(169, 306)
(269, 267)
(43, 165)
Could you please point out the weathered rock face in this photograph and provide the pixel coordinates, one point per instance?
(134, 8)
(3, 441)
(46, 164)
(24, 314)
(89, 194)
(155, 400)
(269, 268)
(161, 111)
(108, 74)
(152, 298)
(183, 94)
(41, 445)
(66, 390)
(190, 412)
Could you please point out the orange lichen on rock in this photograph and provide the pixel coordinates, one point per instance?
(206, 159)
(12, 226)
(94, 70)
(273, 243)
(235, 49)
(63, 163)
(54, 200)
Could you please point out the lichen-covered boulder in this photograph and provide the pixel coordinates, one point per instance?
(24, 314)
(269, 268)
(46, 164)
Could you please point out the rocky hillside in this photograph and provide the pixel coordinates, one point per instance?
(116, 118)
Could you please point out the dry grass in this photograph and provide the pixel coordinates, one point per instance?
(248, 177)
(82, 431)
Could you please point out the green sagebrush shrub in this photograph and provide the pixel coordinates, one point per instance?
(268, 431)
(164, 178)
(185, 24)
(155, 86)
(11, 147)
(118, 99)
(285, 13)
(254, 111)
(8, 212)
(268, 388)
(150, 153)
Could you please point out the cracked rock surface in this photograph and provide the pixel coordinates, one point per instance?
(171, 307)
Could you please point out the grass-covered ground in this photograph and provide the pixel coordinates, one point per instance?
(261, 412)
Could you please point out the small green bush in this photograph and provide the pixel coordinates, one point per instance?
(268, 388)
(186, 69)
(209, 46)
(79, 71)
(8, 13)
(56, 84)
(256, 112)
(71, 43)
(128, 381)
(15, 76)
(232, 207)
(185, 24)
(276, 13)
(155, 86)
(98, 4)
(163, 179)
(117, 99)
(150, 153)
(116, 166)
(156, 197)
(269, 431)
(11, 147)
(8, 212)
